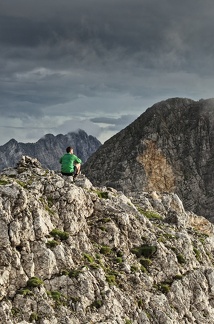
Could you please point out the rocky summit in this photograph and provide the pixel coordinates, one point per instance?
(169, 148)
(75, 253)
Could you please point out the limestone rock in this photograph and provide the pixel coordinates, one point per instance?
(74, 253)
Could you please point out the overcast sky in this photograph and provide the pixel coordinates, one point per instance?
(98, 64)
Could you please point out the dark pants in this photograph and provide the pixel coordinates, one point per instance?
(70, 174)
(67, 174)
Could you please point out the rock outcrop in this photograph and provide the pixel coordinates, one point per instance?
(169, 148)
(75, 253)
(49, 149)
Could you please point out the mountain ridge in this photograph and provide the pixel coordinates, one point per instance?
(168, 148)
(49, 149)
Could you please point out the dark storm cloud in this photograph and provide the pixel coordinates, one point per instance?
(136, 37)
(18, 31)
(133, 27)
(164, 35)
(98, 59)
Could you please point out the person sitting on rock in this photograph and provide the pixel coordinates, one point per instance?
(70, 163)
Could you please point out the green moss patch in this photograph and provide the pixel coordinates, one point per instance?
(74, 273)
(102, 194)
(52, 243)
(97, 303)
(105, 250)
(60, 235)
(150, 214)
(144, 250)
(34, 282)
(145, 262)
(181, 258)
(3, 182)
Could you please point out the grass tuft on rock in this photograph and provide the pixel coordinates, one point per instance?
(60, 235)
(34, 282)
(144, 250)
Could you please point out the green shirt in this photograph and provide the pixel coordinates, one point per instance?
(68, 161)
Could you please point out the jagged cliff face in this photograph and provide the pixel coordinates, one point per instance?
(49, 149)
(74, 253)
(169, 148)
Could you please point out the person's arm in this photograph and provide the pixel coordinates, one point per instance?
(77, 163)
(78, 160)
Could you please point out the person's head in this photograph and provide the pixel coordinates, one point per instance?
(69, 149)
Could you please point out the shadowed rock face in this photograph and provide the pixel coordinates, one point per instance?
(169, 148)
(74, 253)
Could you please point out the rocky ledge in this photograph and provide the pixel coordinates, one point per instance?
(75, 253)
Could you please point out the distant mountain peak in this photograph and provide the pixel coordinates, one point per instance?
(12, 141)
(49, 149)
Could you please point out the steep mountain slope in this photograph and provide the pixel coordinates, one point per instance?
(77, 254)
(49, 149)
(169, 148)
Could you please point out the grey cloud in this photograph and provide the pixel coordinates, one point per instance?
(22, 127)
(91, 58)
(94, 35)
(16, 31)
(135, 26)
(123, 120)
